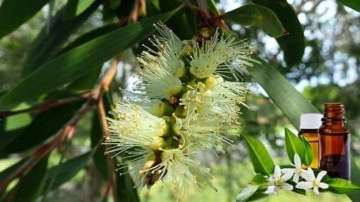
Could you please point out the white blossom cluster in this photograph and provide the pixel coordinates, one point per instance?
(184, 104)
(304, 179)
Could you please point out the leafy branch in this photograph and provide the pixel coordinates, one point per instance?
(66, 132)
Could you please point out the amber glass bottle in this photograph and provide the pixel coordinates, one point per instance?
(309, 125)
(334, 142)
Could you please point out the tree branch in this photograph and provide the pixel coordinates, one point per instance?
(67, 131)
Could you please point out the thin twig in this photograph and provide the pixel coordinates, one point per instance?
(105, 127)
(67, 131)
(45, 105)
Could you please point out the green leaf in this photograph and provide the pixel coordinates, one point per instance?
(246, 193)
(12, 126)
(251, 193)
(354, 4)
(63, 172)
(6, 172)
(126, 189)
(29, 188)
(294, 145)
(50, 39)
(70, 9)
(293, 44)
(341, 186)
(90, 36)
(81, 60)
(355, 178)
(281, 91)
(259, 179)
(257, 16)
(15, 13)
(212, 6)
(259, 156)
(99, 156)
(41, 128)
(309, 153)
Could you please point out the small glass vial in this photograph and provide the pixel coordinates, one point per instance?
(309, 125)
(334, 142)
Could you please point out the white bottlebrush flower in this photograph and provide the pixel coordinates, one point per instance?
(218, 54)
(156, 81)
(297, 171)
(212, 108)
(183, 169)
(215, 97)
(132, 127)
(162, 68)
(176, 164)
(181, 104)
(312, 182)
(278, 181)
(167, 40)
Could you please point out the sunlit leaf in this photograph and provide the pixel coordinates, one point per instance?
(294, 145)
(309, 153)
(282, 92)
(341, 186)
(257, 16)
(41, 128)
(259, 156)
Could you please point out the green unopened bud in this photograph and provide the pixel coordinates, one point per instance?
(212, 81)
(181, 72)
(158, 108)
(158, 144)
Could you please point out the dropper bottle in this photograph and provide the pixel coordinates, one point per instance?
(335, 142)
(309, 125)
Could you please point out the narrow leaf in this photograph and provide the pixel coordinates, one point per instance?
(293, 44)
(7, 171)
(41, 128)
(282, 92)
(15, 13)
(294, 145)
(259, 156)
(126, 189)
(52, 37)
(81, 60)
(354, 4)
(341, 186)
(99, 156)
(90, 36)
(257, 16)
(63, 172)
(30, 187)
(70, 9)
